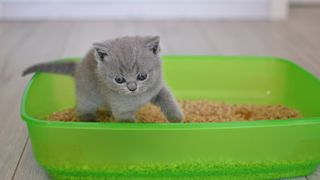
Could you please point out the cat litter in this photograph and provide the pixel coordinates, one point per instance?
(196, 111)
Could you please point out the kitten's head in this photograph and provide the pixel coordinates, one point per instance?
(129, 65)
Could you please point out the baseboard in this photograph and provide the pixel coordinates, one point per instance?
(175, 9)
(279, 9)
(304, 2)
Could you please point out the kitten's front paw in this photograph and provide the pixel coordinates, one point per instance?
(175, 117)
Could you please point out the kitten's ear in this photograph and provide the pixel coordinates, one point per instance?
(101, 50)
(153, 43)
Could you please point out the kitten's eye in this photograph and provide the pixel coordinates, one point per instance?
(102, 55)
(120, 80)
(142, 76)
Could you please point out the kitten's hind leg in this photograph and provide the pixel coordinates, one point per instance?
(86, 110)
(168, 105)
(86, 117)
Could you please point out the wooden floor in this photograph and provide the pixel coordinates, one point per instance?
(26, 43)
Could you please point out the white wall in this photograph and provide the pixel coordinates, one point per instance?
(0, 9)
(144, 9)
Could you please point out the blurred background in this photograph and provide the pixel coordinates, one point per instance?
(52, 29)
(33, 31)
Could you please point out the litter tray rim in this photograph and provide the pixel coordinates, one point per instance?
(172, 126)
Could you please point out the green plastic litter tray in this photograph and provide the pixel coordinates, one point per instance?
(264, 149)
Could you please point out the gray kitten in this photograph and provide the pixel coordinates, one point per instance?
(120, 75)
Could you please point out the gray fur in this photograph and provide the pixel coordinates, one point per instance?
(125, 57)
(52, 67)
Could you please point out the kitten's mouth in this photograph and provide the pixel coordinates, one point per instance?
(131, 93)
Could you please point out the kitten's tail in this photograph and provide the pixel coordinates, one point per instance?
(67, 68)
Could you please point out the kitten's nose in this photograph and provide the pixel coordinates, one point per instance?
(132, 86)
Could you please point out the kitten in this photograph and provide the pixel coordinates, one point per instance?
(120, 75)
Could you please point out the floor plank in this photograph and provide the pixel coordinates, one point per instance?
(49, 39)
(84, 34)
(185, 37)
(28, 167)
(12, 132)
(315, 175)
(261, 39)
